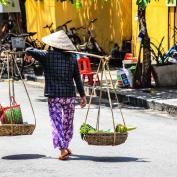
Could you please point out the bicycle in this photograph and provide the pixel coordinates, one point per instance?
(33, 42)
(49, 27)
(75, 37)
(16, 43)
(90, 43)
(8, 63)
(60, 27)
(71, 33)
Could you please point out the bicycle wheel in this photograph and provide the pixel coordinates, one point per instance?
(16, 74)
(3, 63)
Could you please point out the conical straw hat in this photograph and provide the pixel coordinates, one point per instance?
(59, 40)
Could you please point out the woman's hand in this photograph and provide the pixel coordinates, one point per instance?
(83, 101)
(28, 58)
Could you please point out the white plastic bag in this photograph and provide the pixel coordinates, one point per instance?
(122, 80)
(129, 76)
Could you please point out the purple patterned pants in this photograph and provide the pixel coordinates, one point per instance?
(61, 112)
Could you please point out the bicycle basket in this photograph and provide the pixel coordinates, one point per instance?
(18, 42)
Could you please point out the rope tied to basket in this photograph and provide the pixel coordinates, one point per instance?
(15, 129)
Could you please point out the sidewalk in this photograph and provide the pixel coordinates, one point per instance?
(161, 99)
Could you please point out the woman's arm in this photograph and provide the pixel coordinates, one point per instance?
(79, 85)
(37, 54)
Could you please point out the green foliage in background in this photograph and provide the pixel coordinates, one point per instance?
(144, 3)
(4, 2)
(141, 3)
(78, 3)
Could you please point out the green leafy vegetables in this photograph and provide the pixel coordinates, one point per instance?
(88, 129)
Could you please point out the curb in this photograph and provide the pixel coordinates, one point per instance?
(131, 99)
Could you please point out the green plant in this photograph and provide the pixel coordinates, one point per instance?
(157, 52)
(4, 2)
(144, 3)
(13, 115)
(170, 1)
(78, 3)
(88, 129)
(122, 128)
(85, 128)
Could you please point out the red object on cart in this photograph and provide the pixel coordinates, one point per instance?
(128, 56)
(87, 73)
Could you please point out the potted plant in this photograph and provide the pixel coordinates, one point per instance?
(165, 69)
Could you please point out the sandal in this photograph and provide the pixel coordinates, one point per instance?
(64, 157)
(69, 151)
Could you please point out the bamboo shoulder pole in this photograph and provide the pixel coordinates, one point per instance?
(90, 55)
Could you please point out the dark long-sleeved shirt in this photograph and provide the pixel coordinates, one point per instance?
(60, 69)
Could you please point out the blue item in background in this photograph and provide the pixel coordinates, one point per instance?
(170, 52)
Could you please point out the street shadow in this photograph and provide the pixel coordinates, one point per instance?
(105, 103)
(106, 159)
(23, 157)
(127, 106)
(76, 157)
(162, 93)
(42, 100)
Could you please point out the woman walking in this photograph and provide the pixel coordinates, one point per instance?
(60, 69)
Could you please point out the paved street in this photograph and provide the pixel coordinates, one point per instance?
(150, 150)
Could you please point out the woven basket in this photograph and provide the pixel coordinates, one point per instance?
(105, 139)
(16, 129)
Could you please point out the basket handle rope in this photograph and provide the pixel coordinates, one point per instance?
(107, 65)
(110, 103)
(92, 92)
(100, 99)
(12, 100)
(104, 62)
(11, 55)
(9, 66)
(26, 93)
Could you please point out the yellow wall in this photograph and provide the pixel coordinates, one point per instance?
(113, 24)
(172, 24)
(157, 23)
